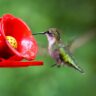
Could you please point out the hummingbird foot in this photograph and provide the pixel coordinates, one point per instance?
(53, 65)
(58, 65)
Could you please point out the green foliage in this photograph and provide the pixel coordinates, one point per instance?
(74, 17)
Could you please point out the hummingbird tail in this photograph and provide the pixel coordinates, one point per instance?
(78, 68)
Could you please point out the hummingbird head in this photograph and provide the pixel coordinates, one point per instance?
(53, 33)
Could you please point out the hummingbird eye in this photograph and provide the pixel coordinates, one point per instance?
(50, 33)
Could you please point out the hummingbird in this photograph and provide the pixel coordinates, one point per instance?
(59, 51)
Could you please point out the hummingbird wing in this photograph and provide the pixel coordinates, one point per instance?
(81, 40)
(68, 59)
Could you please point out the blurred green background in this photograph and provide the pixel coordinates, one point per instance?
(75, 17)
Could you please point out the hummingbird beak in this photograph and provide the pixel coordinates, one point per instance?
(39, 33)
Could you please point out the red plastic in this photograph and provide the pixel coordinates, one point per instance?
(27, 47)
(14, 64)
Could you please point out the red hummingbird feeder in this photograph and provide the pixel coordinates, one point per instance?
(16, 43)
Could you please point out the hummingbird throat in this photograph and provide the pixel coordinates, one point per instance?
(51, 41)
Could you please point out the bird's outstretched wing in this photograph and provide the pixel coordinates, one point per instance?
(78, 42)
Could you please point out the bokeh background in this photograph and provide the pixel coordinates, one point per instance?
(74, 17)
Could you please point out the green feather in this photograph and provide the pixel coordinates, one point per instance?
(68, 59)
